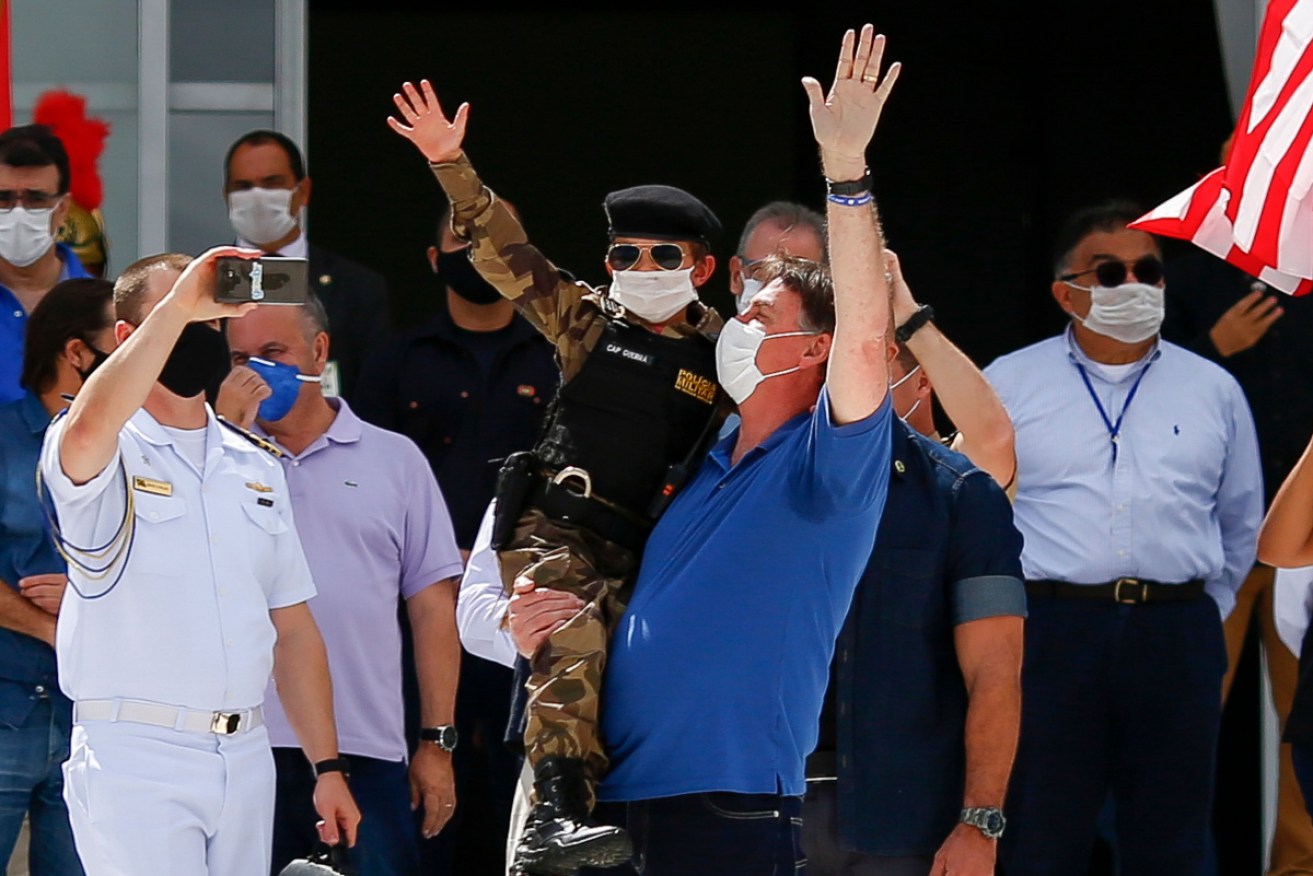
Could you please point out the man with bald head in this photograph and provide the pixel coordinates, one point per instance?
(779, 228)
(194, 592)
(375, 530)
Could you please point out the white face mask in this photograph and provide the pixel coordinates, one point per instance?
(1130, 313)
(750, 288)
(261, 215)
(25, 235)
(899, 382)
(736, 357)
(653, 295)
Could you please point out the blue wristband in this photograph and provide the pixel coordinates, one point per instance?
(856, 201)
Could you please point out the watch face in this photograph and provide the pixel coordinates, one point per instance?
(448, 740)
(994, 822)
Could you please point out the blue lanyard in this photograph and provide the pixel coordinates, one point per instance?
(1114, 429)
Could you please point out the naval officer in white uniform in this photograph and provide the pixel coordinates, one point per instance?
(187, 588)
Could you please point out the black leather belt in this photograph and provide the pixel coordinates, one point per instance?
(560, 502)
(1127, 591)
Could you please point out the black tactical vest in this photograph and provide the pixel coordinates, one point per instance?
(639, 405)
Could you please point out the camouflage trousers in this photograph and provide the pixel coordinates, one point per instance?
(565, 681)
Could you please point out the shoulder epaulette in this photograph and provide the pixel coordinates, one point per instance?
(267, 446)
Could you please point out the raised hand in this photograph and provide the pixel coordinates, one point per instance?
(428, 128)
(844, 120)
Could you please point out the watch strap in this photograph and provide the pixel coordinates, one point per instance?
(333, 765)
(444, 736)
(924, 314)
(988, 820)
(849, 188)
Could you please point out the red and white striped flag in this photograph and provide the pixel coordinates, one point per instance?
(1255, 211)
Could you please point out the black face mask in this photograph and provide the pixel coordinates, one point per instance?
(199, 359)
(456, 271)
(98, 358)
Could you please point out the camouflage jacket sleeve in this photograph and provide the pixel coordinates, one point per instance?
(564, 311)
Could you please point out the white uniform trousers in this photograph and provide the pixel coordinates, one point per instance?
(147, 800)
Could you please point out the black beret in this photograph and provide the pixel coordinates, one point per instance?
(661, 213)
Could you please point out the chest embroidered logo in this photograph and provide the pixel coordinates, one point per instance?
(155, 488)
(258, 487)
(267, 503)
(524, 390)
(701, 388)
(351, 483)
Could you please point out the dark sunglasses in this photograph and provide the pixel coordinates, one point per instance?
(1148, 269)
(666, 256)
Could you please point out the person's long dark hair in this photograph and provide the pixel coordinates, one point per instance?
(76, 308)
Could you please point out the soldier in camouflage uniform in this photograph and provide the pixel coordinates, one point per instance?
(637, 406)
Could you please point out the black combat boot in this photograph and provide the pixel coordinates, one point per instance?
(559, 837)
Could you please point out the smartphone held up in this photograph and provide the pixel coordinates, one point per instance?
(266, 280)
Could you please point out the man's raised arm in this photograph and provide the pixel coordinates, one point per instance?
(844, 122)
(499, 247)
(118, 389)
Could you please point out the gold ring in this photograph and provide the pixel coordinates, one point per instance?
(870, 78)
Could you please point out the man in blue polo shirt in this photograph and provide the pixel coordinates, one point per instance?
(33, 205)
(720, 663)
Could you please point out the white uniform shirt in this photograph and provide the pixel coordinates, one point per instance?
(482, 603)
(188, 623)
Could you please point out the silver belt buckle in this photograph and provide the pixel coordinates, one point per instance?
(574, 472)
(225, 723)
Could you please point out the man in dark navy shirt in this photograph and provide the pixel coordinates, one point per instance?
(920, 722)
(470, 387)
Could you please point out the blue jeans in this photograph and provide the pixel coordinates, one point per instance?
(32, 783)
(387, 844)
(712, 834)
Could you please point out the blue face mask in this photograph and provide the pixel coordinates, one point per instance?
(285, 381)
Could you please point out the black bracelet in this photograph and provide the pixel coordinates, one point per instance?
(924, 314)
(849, 188)
(333, 765)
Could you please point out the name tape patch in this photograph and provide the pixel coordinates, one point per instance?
(631, 355)
(155, 488)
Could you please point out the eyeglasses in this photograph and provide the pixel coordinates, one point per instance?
(1148, 269)
(31, 199)
(667, 256)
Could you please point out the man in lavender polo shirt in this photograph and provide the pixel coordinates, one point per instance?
(375, 529)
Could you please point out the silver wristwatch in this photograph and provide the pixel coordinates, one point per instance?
(988, 819)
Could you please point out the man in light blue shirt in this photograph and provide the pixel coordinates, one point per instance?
(1139, 495)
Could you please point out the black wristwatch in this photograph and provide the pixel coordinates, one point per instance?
(988, 819)
(924, 314)
(444, 737)
(333, 765)
(850, 188)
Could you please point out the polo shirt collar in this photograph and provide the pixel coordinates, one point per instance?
(1078, 356)
(33, 412)
(345, 429)
(70, 267)
(724, 448)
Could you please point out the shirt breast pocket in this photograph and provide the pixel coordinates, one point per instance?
(161, 526)
(262, 537)
(907, 588)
